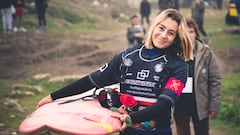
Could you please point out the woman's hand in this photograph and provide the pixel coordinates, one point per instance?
(125, 118)
(45, 100)
(213, 115)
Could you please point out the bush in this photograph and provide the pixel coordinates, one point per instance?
(230, 111)
(230, 105)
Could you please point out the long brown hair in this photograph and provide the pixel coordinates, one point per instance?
(182, 42)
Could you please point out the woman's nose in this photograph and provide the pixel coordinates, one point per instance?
(164, 34)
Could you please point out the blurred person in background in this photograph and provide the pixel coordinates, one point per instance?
(176, 4)
(19, 6)
(163, 4)
(198, 11)
(135, 32)
(41, 7)
(219, 4)
(237, 2)
(145, 11)
(200, 99)
(6, 10)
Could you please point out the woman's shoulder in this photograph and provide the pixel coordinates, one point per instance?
(202, 45)
(177, 61)
(130, 50)
(135, 47)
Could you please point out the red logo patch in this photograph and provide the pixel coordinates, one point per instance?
(174, 85)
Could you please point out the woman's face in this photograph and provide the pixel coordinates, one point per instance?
(191, 33)
(164, 33)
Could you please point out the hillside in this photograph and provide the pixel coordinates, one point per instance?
(32, 53)
(73, 41)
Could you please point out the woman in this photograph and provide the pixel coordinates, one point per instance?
(201, 98)
(154, 74)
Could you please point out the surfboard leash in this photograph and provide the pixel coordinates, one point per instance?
(101, 96)
(85, 98)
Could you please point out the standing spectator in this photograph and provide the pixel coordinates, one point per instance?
(41, 7)
(176, 4)
(187, 3)
(163, 4)
(135, 32)
(145, 11)
(237, 2)
(19, 6)
(219, 4)
(5, 6)
(198, 11)
(200, 98)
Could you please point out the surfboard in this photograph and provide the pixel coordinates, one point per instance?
(76, 118)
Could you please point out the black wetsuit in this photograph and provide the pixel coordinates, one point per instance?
(155, 77)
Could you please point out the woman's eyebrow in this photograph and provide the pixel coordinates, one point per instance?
(166, 27)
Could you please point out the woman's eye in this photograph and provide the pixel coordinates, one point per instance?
(171, 33)
(161, 28)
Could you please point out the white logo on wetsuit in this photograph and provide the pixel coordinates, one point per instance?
(128, 62)
(143, 74)
(104, 67)
(158, 67)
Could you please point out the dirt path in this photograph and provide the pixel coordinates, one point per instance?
(23, 55)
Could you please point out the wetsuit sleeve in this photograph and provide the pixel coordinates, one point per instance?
(150, 112)
(175, 83)
(106, 75)
(74, 88)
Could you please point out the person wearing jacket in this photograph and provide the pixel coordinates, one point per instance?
(154, 73)
(200, 98)
(237, 2)
(135, 32)
(5, 6)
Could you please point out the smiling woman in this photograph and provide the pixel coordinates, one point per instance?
(154, 74)
(174, 25)
(165, 34)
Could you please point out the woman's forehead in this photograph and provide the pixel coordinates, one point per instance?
(169, 23)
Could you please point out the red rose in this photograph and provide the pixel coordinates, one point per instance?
(128, 100)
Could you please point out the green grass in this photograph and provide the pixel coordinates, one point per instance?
(225, 127)
(218, 30)
(228, 120)
(5, 88)
(223, 40)
(230, 105)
